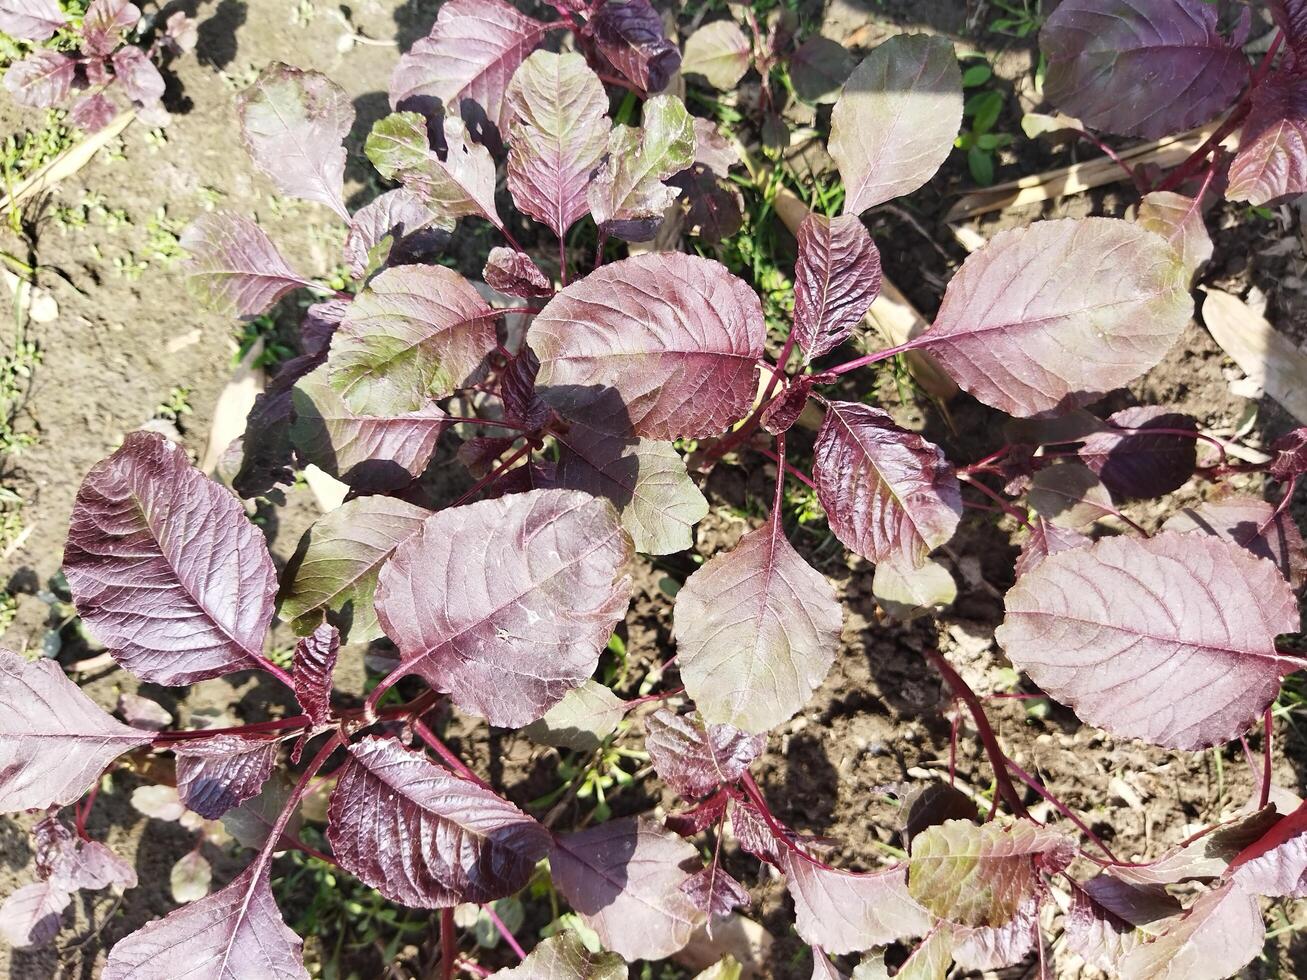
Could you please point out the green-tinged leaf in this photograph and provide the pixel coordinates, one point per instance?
(565, 957)
(581, 721)
(718, 51)
(461, 184)
(906, 592)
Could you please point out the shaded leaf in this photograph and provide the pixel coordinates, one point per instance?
(251, 823)
(1103, 57)
(1179, 220)
(1253, 525)
(1141, 463)
(929, 961)
(443, 839)
(1272, 158)
(1109, 917)
(843, 912)
(819, 68)
(982, 874)
(31, 20)
(190, 878)
(508, 603)
(1198, 633)
(719, 52)
(312, 667)
(629, 34)
(1206, 856)
(266, 458)
(1275, 865)
(1047, 317)
(1045, 539)
(1069, 495)
(694, 758)
(138, 76)
(624, 879)
(927, 804)
(558, 127)
(514, 273)
(564, 957)
(234, 934)
(233, 267)
(33, 914)
(395, 228)
(1216, 937)
(92, 112)
(165, 568)
(883, 151)
(888, 493)
(335, 568)
(218, 773)
(581, 721)
(414, 334)
(756, 631)
(619, 351)
(714, 892)
(42, 79)
(293, 124)
(714, 208)
(905, 592)
(837, 276)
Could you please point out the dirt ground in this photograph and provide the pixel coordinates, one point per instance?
(128, 337)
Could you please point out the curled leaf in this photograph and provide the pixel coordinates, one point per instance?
(218, 773)
(629, 34)
(694, 758)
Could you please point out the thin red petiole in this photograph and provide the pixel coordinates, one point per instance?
(879, 355)
(447, 754)
(1265, 796)
(798, 474)
(503, 930)
(1061, 808)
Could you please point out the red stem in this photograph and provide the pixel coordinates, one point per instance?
(450, 758)
(298, 721)
(1266, 760)
(492, 476)
(779, 495)
(879, 355)
(84, 810)
(798, 474)
(634, 703)
(448, 946)
(504, 931)
(998, 498)
(1061, 808)
(1111, 153)
(778, 829)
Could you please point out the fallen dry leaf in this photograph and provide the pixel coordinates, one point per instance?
(1266, 356)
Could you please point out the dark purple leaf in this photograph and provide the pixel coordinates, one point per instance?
(143, 713)
(782, 413)
(1206, 856)
(558, 126)
(719, 52)
(756, 632)
(471, 53)
(234, 268)
(844, 912)
(629, 34)
(624, 879)
(1291, 17)
(714, 892)
(1179, 220)
(423, 836)
(1107, 918)
(1252, 524)
(416, 333)
(334, 571)
(218, 773)
(1045, 318)
(564, 957)
(233, 934)
(319, 326)
(31, 20)
(1105, 60)
(750, 829)
(54, 741)
(698, 818)
(513, 272)
(1045, 539)
(42, 79)
(818, 69)
(1219, 934)
(1142, 463)
(646, 480)
(293, 124)
(924, 805)
(508, 603)
(837, 276)
(265, 456)
(694, 758)
(165, 568)
(462, 182)
(92, 112)
(369, 452)
(887, 492)
(137, 75)
(1272, 158)
(1197, 633)
(1275, 865)
(619, 351)
(882, 150)
(312, 666)
(1290, 455)
(105, 25)
(393, 229)
(994, 948)
(714, 208)
(980, 875)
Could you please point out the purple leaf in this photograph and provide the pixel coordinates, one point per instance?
(508, 603)
(92, 112)
(1069, 495)
(624, 878)
(1140, 464)
(1206, 856)
(1045, 539)
(54, 741)
(883, 151)
(33, 914)
(1220, 933)
(1195, 601)
(1179, 220)
(319, 325)
(1290, 455)
(818, 69)
(513, 272)
(1044, 318)
(564, 957)
(266, 458)
(824, 969)
(719, 52)
(1252, 524)
(31, 20)
(619, 350)
(143, 713)
(837, 276)
(980, 875)
(334, 572)
(750, 829)
(714, 208)
(40, 80)
(646, 480)
(369, 452)
(923, 805)
(785, 410)
(1104, 57)
(138, 76)
(994, 948)
(1291, 17)
(105, 25)
(181, 33)
(714, 892)
(165, 568)
(713, 150)
(233, 934)
(234, 267)
(221, 772)
(461, 183)
(471, 53)
(1275, 865)
(1272, 158)
(393, 229)
(1109, 917)
(423, 836)
(414, 334)
(887, 492)
(628, 194)
(558, 126)
(629, 34)
(844, 912)
(293, 124)
(312, 666)
(756, 631)
(694, 758)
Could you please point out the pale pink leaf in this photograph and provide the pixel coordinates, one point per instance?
(143, 713)
(1207, 855)
(1252, 524)
(564, 957)
(1045, 539)
(719, 52)
(1215, 938)
(1109, 917)
(31, 20)
(42, 79)
(843, 912)
(105, 25)
(1275, 865)
(396, 228)
(33, 914)
(234, 268)
(1179, 220)
(1272, 158)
